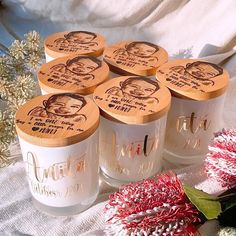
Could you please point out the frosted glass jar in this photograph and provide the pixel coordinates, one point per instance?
(131, 152)
(74, 74)
(191, 125)
(134, 57)
(198, 91)
(58, 135)
(62, 44)
(132, 129)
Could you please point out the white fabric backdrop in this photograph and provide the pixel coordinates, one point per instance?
(197, 28)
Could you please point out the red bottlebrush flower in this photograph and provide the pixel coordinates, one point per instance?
(156, 206)
(220, 162)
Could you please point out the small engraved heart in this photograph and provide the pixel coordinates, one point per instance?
(111, 105)
(35, 128)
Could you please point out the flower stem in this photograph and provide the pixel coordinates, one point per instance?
(4, 49)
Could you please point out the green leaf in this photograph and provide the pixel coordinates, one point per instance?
(204, 202)
(228, 199)
(228, 204)
(227, 218)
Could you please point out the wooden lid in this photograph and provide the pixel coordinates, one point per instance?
(75, 42)
(132, 99)
(56, 120)
(193, 79)
(77, 74)
(135, 57)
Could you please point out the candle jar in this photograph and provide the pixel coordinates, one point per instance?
(198, 91)
(59, 143)
(75, 74)
(133, 111)
(62, 44)
(134, 58)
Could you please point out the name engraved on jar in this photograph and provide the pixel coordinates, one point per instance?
(134, 150)
(193, 125)
(51, 191)
(69, 168)
(38, 176)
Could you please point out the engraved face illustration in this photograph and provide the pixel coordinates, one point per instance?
(83, 65)
(139, 87)
(142, 49)
(64, 104)
(203, 70)
(80, 37)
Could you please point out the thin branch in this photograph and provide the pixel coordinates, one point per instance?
(4, 49)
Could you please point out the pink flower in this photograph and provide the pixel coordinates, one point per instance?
(156, 206)
(220, 162)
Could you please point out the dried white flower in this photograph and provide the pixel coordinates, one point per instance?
(227, 231)
(17, 85)
(33, 40)
(18, 49)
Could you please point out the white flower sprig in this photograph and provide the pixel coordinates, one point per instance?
(17, 85)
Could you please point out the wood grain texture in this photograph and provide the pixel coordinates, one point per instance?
(132, 99)
(56, 120)
(74, 43)
(76, 74)
(135, 57)
(193, 79)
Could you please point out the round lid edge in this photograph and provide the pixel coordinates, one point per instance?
(176, 75)
(38, 128)
(112, 99)
(58, 75)
(55, 53)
